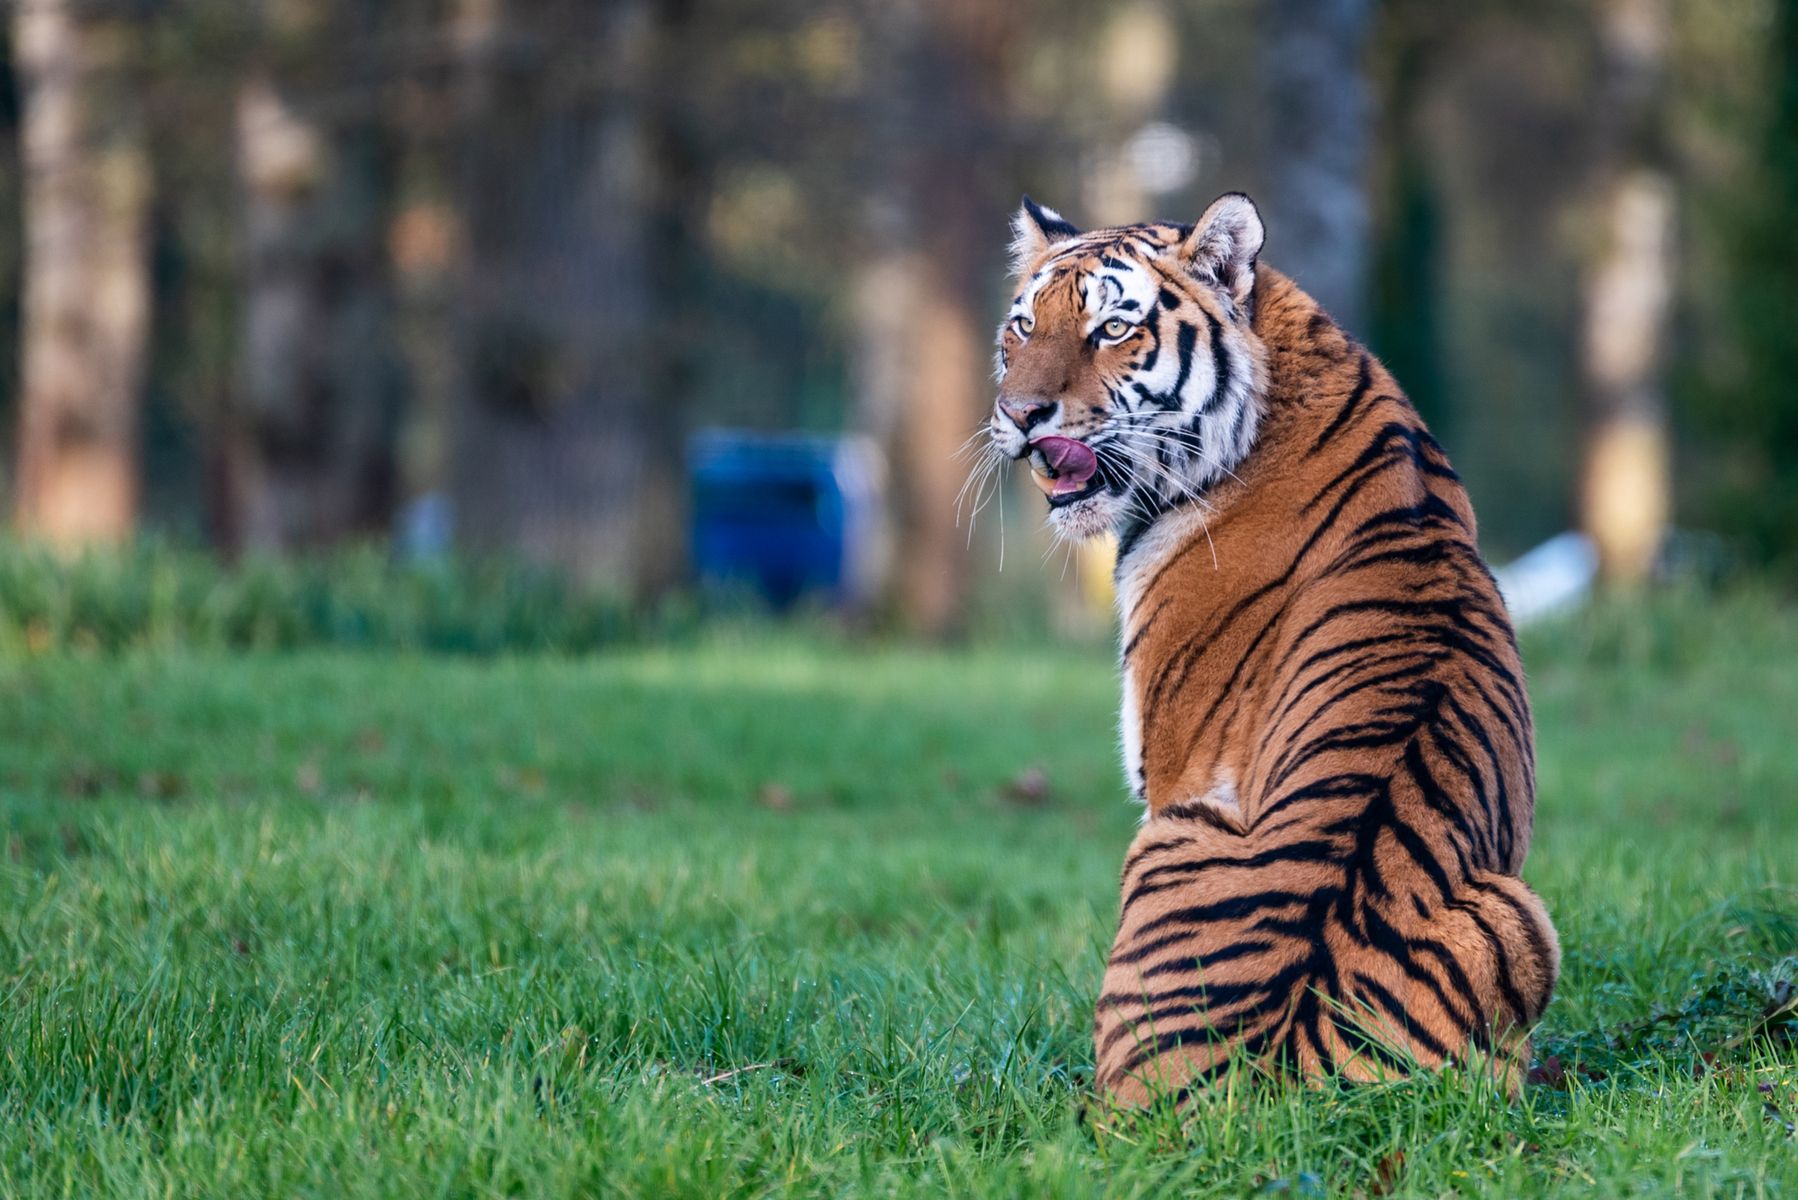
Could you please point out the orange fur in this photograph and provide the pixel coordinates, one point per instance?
(1335, 742)
(1345, 659)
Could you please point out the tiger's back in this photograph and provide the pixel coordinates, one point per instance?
(1325, 715)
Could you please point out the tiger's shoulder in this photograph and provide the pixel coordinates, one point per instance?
(1338, 444)
(1344, 544)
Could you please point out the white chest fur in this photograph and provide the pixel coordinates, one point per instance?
(1135, 572)
(1130, 733)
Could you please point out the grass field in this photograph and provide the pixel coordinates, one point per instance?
(771, 916)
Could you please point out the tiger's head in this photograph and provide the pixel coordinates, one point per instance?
(1128, 373)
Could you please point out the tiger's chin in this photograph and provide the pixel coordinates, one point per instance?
(1086, 517)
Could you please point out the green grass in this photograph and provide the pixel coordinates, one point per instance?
(774, 917)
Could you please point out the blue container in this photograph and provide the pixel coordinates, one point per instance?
(787, 515)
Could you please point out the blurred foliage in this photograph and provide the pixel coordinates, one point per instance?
(776, 136)
(157, 596)
(1684, 633)
(1739, 394)
(163, 595)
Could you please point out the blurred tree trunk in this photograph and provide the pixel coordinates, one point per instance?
(922, 302)
(1318, 114)
(679, 193)
(919, 380)
(1752, 411)
(11, 249)
(1137, 53)
(311, 449)
(1625, 493)
(86, 287)
(1406, 298)
(553, 454)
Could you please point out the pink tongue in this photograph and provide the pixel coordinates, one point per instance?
(1071, 461)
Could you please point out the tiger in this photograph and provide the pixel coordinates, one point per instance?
(1323, 710)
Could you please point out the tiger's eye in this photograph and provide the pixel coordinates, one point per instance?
(1117, 327)
(1025, 325)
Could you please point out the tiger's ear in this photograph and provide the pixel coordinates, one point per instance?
(1222, 248)
(1033, 231)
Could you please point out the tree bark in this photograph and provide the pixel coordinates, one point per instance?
(1625, 494)
(923, 373)
(86, 286)
(1317, 110)
(312, 444)
(551, 454)
(11, 251)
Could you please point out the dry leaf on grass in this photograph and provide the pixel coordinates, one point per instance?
(1029, 788)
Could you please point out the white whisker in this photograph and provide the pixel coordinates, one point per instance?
(976, 479)
(1004, 478)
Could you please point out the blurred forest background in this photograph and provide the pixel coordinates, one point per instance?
(278, 276)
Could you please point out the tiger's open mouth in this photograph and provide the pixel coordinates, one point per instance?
(1065, 470)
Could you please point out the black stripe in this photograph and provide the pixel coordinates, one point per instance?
(1140, 518)
(1223, 910)
(1185, 338)
(1347, 412)
(1207, 960)
(1149, 882)
(1220, 363)
(1390, 1004)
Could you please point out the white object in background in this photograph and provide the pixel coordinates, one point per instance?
(1164, 157)
(1555, 576)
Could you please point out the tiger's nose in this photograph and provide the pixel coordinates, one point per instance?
(1026, 412)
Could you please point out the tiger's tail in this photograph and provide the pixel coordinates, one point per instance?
(1461, 980)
